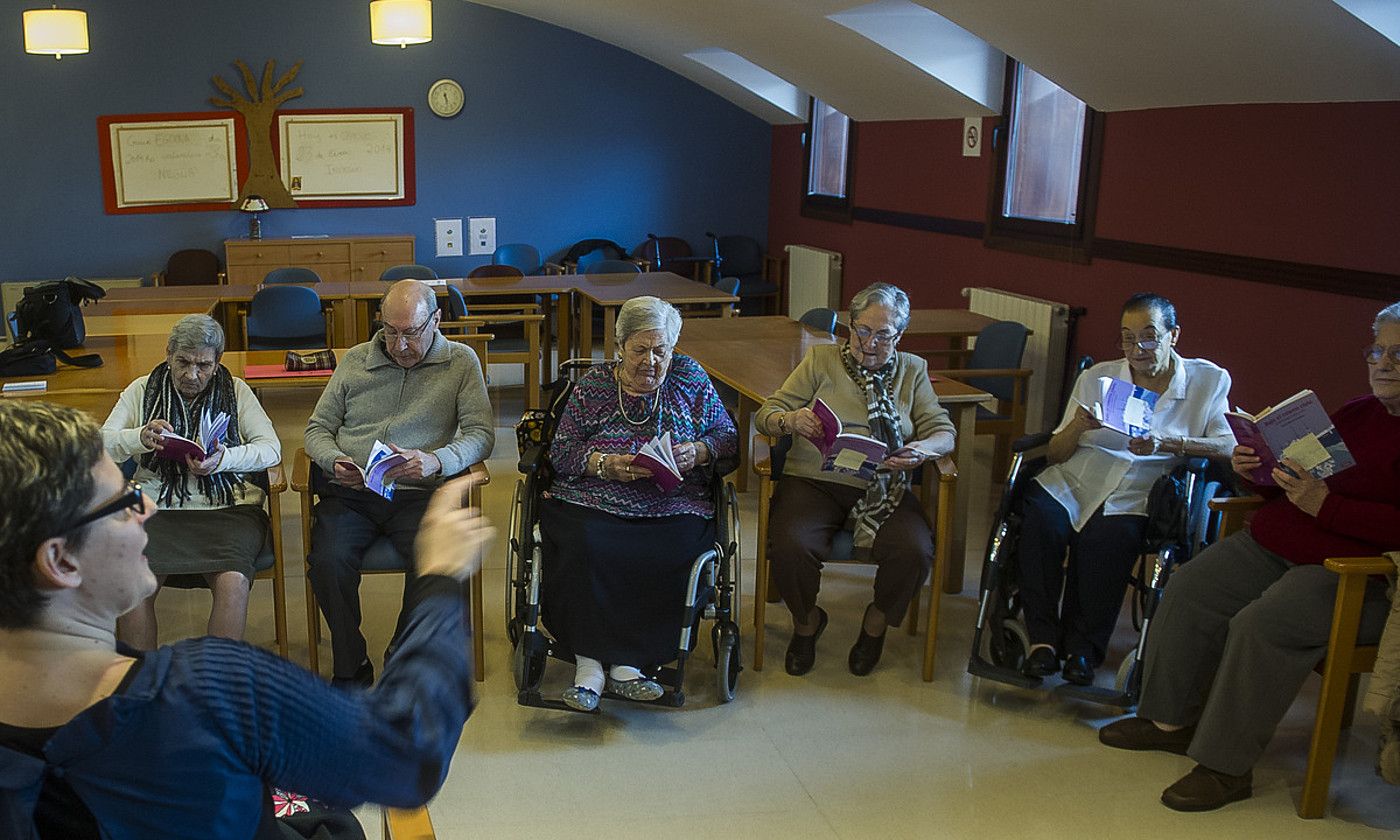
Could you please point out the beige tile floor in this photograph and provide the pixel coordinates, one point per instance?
(828, 755)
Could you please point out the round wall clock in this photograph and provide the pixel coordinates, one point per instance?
(445, 98)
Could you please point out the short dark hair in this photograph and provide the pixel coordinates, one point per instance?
(47, 453)
(1152, 303)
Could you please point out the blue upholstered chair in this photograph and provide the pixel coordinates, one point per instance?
(519, 255)
(820, 318)
(760, 276)
(291, 274)
(285, 318)
(408, 271)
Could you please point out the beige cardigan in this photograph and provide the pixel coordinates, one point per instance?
(821, 374)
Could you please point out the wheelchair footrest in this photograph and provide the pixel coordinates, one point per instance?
(979, 667)
(1097, 694)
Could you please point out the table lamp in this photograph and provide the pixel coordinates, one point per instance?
(254, 204)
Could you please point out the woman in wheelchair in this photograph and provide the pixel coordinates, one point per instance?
(617, 550)
(876, 391)
(1092, 500)
(1241, 626)
(214, 526)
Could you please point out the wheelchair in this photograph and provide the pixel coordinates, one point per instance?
(712, 594)
(1000, 642)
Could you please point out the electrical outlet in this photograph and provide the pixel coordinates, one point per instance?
(483, 234)
(448, 236)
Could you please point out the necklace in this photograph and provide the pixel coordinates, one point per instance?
(622, 408)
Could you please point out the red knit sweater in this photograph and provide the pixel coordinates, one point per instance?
(1361, 515)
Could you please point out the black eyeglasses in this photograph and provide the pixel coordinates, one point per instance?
(1376, 352)
(133, 500)
(391, 334)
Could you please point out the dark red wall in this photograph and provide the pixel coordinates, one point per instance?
(1305, 183)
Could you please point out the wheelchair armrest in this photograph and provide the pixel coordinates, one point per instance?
(1198, 465)
(1236, 504)
(1029, 442)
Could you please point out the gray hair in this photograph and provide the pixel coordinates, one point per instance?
(1389, 315)
(647, 313)
(196, 332)
(884, 294)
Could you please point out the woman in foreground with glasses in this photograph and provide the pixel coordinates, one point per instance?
(1092, 500)
(1241, 626)
(186, 740)
(877, 391)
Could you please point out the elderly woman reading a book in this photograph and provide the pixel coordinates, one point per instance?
(869, 388)
(1092, 500)
(1243, 623)
(617, 547)
(214, 527)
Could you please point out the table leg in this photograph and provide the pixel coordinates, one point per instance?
(972, 486)
(746, 409)
(609, 322)
(532, 369)
(726, 311)
(547, 338)
(566, 326)
(585, 328)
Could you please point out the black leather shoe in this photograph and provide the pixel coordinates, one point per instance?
(802, 650)
(363, 678)
(1078, 670)
(865, 653)
(1042, 662)
(1204, 789)
(1135, 733)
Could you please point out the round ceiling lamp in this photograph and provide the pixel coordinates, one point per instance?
(401, 22)
(56, 32)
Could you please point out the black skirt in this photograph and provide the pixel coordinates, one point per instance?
(613, 588)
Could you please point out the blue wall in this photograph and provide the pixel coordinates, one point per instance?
(563, 137)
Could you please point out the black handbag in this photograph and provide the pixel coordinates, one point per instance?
(38, 357)
(53, 311)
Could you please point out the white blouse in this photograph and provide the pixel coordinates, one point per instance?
(1103, 472)
(121, 436)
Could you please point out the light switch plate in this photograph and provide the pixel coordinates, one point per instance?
(483, 234)
(448, 236)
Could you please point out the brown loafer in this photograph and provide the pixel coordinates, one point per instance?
(1135, 733)
(1204, 789)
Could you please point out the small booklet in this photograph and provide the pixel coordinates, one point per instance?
(1123, 407)
(656, 455)
(1298, 429)
(381, 460)
(847, 452)
(211, 431)
(23, 387)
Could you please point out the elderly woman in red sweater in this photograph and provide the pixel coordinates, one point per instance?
(1242, 624)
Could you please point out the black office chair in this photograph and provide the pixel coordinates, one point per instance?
(760, 276)
(820, 318)
(609, 267)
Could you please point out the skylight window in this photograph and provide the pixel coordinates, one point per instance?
(934, 44)
(755, 79)
(1381, 15)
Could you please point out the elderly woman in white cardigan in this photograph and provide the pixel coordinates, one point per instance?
(212, 525)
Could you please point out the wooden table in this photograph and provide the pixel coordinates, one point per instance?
(754, 356)
(610, 291)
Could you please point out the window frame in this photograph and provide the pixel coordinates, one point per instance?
(1056, 240)
(816, 205)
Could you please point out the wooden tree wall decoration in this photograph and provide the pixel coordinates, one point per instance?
(258, 108)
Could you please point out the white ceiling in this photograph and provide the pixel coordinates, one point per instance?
(1115, 55)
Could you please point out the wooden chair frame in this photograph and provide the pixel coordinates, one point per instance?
(940, 509)
(408, 824)
(1344, 663)
(277, 483)
(301, 482)
(498, 314)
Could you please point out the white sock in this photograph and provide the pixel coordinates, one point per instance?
(588, 673)
(623, 673)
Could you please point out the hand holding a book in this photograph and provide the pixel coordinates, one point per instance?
(152, 431)
(1085, 421)
(209, 465)
(347, 474)
(1303, 490)
(689, 455)
(802, 422)
(1244, 462)
(621, 468)
(452, 537)
(419, 465)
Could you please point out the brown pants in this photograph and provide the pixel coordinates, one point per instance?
(807, 515)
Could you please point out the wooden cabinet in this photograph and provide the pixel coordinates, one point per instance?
(333, 258)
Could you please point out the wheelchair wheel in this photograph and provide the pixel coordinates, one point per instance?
(1008, 648)
(727, 665)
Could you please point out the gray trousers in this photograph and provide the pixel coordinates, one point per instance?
(1235, 636)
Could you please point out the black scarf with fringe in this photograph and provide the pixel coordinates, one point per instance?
(163, 402)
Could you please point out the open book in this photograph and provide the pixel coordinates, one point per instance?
(1298, 429)
(1123, 407)
(211, 431)
(381, 460)
(847, 452)
(656, 455)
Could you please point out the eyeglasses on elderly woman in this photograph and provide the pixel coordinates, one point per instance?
(133, 499)
(874, 337)
(1376, 352)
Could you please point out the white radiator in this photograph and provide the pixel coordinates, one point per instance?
(814, 279)
(1046, 347)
